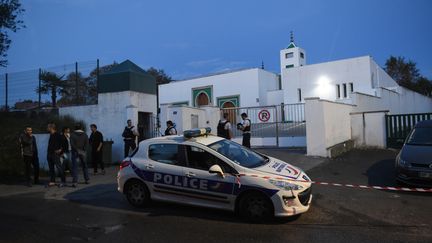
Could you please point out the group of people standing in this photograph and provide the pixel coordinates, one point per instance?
(224, 128)
(65, 150)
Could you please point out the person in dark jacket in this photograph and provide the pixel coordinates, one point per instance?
(246, 128)
(224, 127)
(30, 155)
(79, 143)
(171, 130)
(53, 156)
(129, 135)
(96, 142)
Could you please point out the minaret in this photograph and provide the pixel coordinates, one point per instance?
(292, 56)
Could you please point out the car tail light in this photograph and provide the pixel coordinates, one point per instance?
(124, 164)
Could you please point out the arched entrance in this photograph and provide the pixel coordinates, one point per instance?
(202, 99)
(231, 112)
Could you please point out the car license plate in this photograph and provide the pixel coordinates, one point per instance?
(425, 175)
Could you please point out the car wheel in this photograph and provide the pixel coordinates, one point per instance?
(137, 193)
(255, 207)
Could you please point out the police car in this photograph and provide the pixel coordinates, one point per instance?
(205, 170)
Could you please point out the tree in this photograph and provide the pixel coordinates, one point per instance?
(9, 11)
(406, 74)
(160, 75)
(53, 84)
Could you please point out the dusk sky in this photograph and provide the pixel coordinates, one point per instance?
(188, 38)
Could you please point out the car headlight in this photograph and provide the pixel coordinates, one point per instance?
(404, 163)
(285, 185)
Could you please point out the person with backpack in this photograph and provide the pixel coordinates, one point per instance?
(171, 130)
(129, 137)
(30, 155)
(224, 127)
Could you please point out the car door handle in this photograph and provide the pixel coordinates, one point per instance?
(190, 174)
(149, 166)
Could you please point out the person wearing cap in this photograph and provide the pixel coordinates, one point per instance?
(245, 126)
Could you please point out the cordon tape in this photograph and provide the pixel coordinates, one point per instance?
(384, 188)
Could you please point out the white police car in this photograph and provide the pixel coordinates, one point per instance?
(205, 170)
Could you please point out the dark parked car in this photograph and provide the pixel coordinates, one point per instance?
(414, 161)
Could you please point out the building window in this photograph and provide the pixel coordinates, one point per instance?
(289, 66)
(299, 95)
(301, 55)
(337, 91)
(289, 55)
(351, 87)
(344, 90)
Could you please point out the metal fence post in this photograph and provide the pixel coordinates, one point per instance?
(6, 91)
(97, 79)
(39, 89)
(76, 82)
(277, 128)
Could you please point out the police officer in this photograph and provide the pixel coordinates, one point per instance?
(129, 138)
(224, 127)
(170, 129)
(245, 126)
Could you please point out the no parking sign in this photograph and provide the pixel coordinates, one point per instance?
(264, 115)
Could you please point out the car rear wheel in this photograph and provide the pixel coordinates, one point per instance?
(255, 207)
(137, 193)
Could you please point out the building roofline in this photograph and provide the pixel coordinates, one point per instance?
(221, 73)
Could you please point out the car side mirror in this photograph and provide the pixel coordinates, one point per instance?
(216, 169)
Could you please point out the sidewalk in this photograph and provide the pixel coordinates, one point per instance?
(55, 192)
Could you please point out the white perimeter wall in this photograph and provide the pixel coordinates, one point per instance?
(208, 116)
(111, 114)
(406, 101)
(327, 124)
(249, 84)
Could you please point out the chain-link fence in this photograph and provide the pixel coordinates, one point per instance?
(52, 87)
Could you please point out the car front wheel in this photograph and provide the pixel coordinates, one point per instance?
(137, 193)
(255, 207)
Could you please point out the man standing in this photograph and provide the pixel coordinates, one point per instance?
(246, 128)
(129, 137)
(170, 129)
(66, 157)
(79, 142)
(30, 155)
(224, 127)
(96, 142)
(53, 155)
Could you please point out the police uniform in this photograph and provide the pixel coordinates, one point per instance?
(129, 140)
(246, 133)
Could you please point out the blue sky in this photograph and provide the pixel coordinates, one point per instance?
(194, 37)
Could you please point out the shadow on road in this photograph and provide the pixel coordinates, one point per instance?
(107, 196)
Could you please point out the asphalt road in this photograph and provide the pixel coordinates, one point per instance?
(98, 213)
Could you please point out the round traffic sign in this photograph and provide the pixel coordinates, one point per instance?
(264, 115)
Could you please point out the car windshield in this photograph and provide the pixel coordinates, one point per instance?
(420, 136)
(240, 155)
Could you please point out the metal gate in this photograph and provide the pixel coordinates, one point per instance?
(399, 126)
(270, 123)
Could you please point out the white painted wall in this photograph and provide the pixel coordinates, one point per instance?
(111, 114)
(368, 129)
(406, 101)
(208, 116)
(319, 80)
(327, 124)
(250, 84)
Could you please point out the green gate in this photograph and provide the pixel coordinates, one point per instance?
(399, 126)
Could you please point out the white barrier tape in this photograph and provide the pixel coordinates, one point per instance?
(384, 188)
